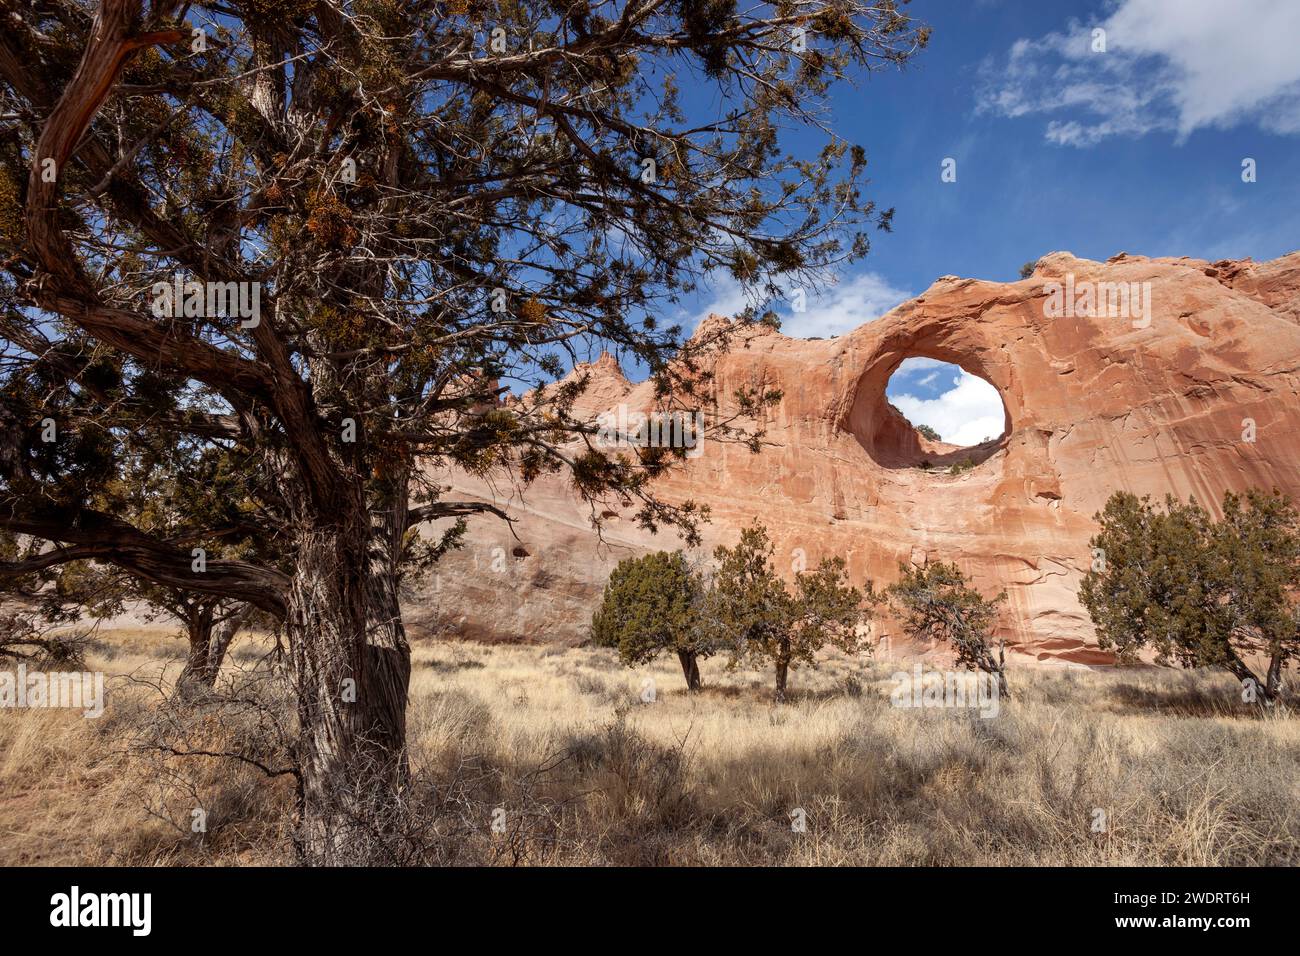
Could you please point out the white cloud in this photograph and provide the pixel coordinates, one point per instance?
(917, 364)
(965, 415)
(844, 306)
(728, 298)
(833, 311)
(1170, 65)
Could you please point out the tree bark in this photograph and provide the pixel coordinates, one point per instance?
(782, 672)
(690, 669)
(195, 676)
(351, 691)
(998, 668)
(352, 665)
(221, 640)
(208, 643)
(1266, 689)
(1273, 682)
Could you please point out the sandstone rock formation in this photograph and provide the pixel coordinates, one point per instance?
(1093, 405)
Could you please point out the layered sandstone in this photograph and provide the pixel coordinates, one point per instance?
(1093, 405)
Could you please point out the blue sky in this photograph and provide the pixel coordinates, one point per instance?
(1058, 147)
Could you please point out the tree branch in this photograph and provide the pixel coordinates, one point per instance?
(119, 543)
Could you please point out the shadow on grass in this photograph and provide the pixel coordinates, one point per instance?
(1187, 698)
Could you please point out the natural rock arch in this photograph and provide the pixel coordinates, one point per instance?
(1093, 405)
(890, 439)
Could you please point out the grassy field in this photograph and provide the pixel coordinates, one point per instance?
(557, 750)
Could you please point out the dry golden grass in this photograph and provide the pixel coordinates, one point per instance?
(583, 772)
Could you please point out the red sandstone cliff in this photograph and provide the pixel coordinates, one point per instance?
(1093, 405)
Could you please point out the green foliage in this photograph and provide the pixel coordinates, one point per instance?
(462, 180)
(658, 602)
(765, 620)
(1028, 268)
(966, 464)
(928, 432)
(1197, 591)
(936, 604)
(651, 605)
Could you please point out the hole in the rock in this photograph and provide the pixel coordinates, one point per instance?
(938, 416)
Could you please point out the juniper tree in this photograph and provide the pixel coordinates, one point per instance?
(936, 604)
(210, 625)
(148, 480)
(375, 214)
(766, 621)
(653, 604)
(1199, 592)
(57, 593)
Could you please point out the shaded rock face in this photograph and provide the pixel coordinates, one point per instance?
(1159, 404)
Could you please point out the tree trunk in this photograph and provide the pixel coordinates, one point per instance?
(208, 646)
(1274, 681)
(196, 677)
(1003, 691)
(782, 671)
(1266, 690)
(352, 681)
(352, 666)
(221, 640)
(690, 670)
(998, 669)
